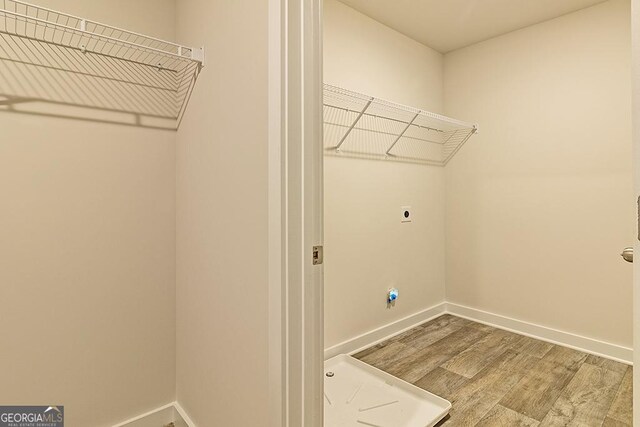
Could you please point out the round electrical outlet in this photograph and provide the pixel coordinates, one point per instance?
(406, 214)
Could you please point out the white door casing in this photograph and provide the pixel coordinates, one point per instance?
(635, 46)
(296, 292)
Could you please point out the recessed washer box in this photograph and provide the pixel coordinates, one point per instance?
(357, 394)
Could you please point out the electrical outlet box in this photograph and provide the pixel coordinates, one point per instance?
(407, 214)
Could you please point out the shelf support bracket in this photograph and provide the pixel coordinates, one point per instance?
(402, 134)
(459, 146)
(353, 125)
(198, 55)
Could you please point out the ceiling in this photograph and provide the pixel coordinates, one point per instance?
(447, 25)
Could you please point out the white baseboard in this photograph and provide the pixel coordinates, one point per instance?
(543, 333)
(171, 412)
(174, 412)
(188, 422)
(375, 336)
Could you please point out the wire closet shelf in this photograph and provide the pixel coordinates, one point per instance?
(358, 125)
(155, 77)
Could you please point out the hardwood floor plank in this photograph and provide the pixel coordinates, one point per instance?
(470, 410)
(609, 364)
(481, 354)
(500, 416)
(434, 331)
(442, 383)
(531, 346)
(364, 353)
(516, 363)
(586, 399)
(610, 422)
(389, 355)
(418, 335)
(421, 362)
(566, 356)
(407, 335)
(622, 407)
(510, 382)
(473, 401)
(538, 390)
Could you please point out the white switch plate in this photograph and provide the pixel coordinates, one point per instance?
(406, 214)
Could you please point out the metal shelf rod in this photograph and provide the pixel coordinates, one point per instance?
(92, 65)
(355, 122)
(91, 35)
(459, 146)
(376, 116)
(386, 133)
(403, 132)
(89, 21)
(390, 131)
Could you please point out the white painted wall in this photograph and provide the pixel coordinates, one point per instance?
(540, 203)
(222, 218)
(367, 249)
(87, 237)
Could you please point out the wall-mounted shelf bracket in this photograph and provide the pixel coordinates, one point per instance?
(197, 54)
(388, 152)
(353, 125)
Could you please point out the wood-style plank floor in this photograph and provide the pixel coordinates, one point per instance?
(497, 378)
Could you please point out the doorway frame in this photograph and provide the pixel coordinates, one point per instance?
(635, 89)
(296, 212)
(295, 193)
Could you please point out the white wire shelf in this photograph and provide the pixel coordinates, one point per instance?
(358, 125)
(89, 64)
